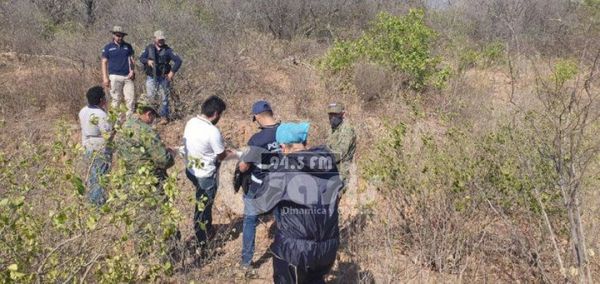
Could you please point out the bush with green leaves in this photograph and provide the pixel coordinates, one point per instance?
(403, 44)
(486, 56)
(445, 186)
(50, 232)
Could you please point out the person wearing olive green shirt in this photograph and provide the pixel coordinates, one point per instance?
(342, 139)
(139, 145)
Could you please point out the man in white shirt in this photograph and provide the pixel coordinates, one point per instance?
(204, 150)
(95, 130)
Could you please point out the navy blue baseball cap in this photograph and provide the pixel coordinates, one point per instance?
(260, 107)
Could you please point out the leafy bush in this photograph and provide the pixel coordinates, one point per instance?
(51, 233)
(446, 185)
(400, 43)
(468, 59)
(488, 55)
(493, 53)
(564, 70)
(341, 56)
(593, 8)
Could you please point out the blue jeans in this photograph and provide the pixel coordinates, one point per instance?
(206, 190)
(249, 230)
(99, 165)
(158, 91)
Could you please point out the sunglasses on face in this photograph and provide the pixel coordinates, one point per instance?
(119, 35)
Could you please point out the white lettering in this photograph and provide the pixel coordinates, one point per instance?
(303, 211)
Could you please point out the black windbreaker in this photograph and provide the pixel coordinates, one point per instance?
(302, 189)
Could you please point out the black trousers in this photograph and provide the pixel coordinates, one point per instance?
(284, 272)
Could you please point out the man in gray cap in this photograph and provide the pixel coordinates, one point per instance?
(156, 59)
(118, 70)
(341, 140)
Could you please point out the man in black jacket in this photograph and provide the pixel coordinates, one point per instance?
(156, 59)
(302, 187)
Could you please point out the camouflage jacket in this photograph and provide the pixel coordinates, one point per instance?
(137, 144)
(342, 142)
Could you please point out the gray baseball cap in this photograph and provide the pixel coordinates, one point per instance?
(159, 35)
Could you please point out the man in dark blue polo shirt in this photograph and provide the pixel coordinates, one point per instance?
(117, 70)
(157, 59)
(256, 160)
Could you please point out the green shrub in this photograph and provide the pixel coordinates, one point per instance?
(489, 55)
(400, 43)
(468, 59)
(493, 53)
(564, 70)
(341, 56)
(459, 163)
(443, 185)
(51, 233)
(593, 8)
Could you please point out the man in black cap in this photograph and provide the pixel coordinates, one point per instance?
(256, 160)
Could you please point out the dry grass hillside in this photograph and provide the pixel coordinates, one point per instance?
(29, 116)
(297, 93)
(477, 157)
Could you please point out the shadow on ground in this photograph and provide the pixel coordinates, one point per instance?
(195, 256)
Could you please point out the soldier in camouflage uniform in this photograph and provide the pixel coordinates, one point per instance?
(341, 140)
(139, 145)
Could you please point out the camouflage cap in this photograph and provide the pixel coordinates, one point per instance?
(118, 30)
(335, 108)
(143, 107)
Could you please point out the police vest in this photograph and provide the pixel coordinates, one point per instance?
(161, 61)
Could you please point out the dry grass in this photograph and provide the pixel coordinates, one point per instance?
(443, 246)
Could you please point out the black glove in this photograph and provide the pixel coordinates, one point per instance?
(241, 180)
(237, 178)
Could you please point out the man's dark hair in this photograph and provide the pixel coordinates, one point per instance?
(213, 105)
(94, 95)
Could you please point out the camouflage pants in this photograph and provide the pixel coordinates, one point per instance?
(344, 170)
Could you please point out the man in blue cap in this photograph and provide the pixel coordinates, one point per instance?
(302, 187)
(256, 161)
